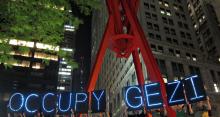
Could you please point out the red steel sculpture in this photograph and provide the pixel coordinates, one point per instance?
(124, 36)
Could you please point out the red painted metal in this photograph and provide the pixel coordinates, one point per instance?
(123, 13)
(140, 76)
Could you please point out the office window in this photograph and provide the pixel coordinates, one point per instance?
(148, 15)
(156, 27)
(178, 70)
(149, 25)
(171, 22)
(158, 37)
(162, 66)
(154, 17)
(169, 40)
(172, 31)
(151, 35)
(164, 20)
(160, 49)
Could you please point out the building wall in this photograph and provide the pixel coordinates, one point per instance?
(171, 36)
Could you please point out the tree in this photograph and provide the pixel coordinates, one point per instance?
(38, 21)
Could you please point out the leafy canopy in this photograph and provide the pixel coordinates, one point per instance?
(39, 21)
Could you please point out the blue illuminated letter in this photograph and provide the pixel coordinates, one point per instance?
(69, 104)
(136, 97)
(26, 103)
(194, 88)
(155, 97)
(171, 100)
(98, 98)
(43, 102)
(80, 101)
(20, 105)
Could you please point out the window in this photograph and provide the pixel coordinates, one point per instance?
(169, 40)
(194, 58)
(171, 22)
(166, 4)
(151, 35)
(154, 16)
(194, 70)
(171, 51)
(168, 12)
(162, 11)
(153, 7)
(164, 20)
(182, 34)
(149, 25)
(158, 37)
(148, 15)
(173, 32)
(146, 5)
(153, 47)
(156, 27)
(41, 55)
(188, 56)
(177, 53)
(178, 70)
(162, 66)
(166, 30)
(160, 49)
(38, 66)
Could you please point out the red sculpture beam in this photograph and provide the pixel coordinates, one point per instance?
(123, 15)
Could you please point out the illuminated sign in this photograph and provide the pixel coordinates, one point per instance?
(153, 95)
(175, 93)
(135, 98)
(52, 103)
(98, 101)
(149, 95)
(194, 89)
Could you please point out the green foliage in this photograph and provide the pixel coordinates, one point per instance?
(38, 20)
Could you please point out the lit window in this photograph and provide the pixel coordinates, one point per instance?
(219, 59)
(200, 20)
(216, 88)
(168, 13)
(47, 47)
(64, 73)
(69, 28)
(195, 26)
(162, 11)
(65, 70)
(38, 66)
(203, 17)
(21, 43)
(67, 49)
(26, 54)
(61, 88)
(175, 7)
(45, 56)
(19, 63)
(166, 4)
(160, 2)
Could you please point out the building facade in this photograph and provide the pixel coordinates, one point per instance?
(65, 73)
(173, 40)
(205, 17)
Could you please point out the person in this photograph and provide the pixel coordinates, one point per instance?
(180, 110)
(201, 109)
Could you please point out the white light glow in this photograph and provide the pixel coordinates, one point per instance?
(64, 73)
(216, 88)
(67, 49)
(47, 47)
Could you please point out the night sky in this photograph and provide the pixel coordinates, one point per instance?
(83, 44)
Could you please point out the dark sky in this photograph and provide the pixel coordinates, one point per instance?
(83, 47)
